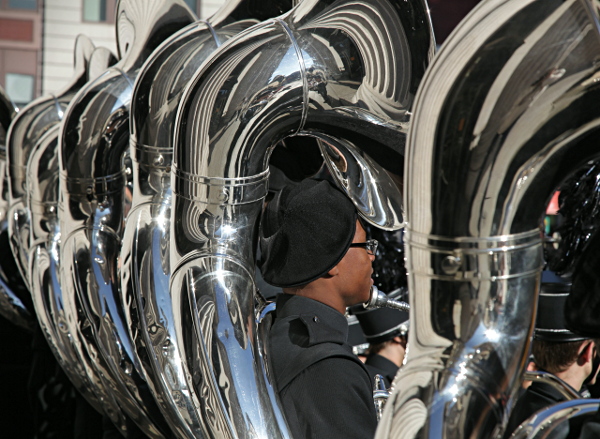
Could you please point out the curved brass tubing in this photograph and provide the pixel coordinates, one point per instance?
(93, 141)
(13, 293)
(505, 113)
(344, 72)
(145, 271)
(31, 123)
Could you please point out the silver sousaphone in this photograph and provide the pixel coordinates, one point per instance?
(341, 72)
(506, 112)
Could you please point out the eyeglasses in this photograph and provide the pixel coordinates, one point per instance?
(370, 246)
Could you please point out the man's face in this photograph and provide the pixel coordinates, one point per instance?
(356, 270)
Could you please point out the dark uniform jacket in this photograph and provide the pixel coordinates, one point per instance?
(591, 428)
(378, 364)
(325, 389)
(537, 397)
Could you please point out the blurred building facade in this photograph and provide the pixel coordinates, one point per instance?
(21, 48)
(37, 39)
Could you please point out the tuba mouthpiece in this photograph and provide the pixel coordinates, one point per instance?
(379, 299)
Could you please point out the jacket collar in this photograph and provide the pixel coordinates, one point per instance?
(548, 390)
(380, 362)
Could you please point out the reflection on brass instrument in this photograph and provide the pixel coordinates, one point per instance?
(380, 395)
(29, 126)
(162, 332)
(342, 72)
(566, 390)
(145, 272)
(506, 111)
(153, 313)
(13, 294)
(44, 240)
(7, 113)
(554, 420)
(92, 144)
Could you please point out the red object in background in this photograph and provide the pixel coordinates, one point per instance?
(446, 14)
(553, 206)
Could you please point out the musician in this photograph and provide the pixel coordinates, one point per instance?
(314, 247)
(386, 331)
(556, 350)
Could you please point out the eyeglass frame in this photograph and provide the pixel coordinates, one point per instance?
(369, 245)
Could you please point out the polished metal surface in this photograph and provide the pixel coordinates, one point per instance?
(374, 190)
(344, 72)
(567, 391)
(93, 142)
(145, 272)
(42, 179)
(7, 113)
(550, 421)
(380, 395)
(12, 290)
(379, 299)
(31, 123)
(505, 113)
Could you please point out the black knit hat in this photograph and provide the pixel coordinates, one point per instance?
(305, 231)
(550, 323)
(382, 324)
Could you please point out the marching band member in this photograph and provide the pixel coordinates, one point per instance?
(556, 350)
(386, 331)
(314, 247)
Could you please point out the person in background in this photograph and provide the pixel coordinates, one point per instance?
(568, 356)
(314, 247)
(387, 332)
(356, 336)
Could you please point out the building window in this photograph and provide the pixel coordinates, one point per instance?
(99, 11)
(94, 10)
(193, 4)
(20, 88)
(23, 4)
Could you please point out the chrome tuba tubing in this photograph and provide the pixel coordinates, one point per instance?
(145, 272)
(545, 423)
(380, 395)
(327, 69)
(7, 113)
(44, 269)
(93, 142)
(44, 262)
(31, 123)
(12, 289)
(505, 113)
(545, 377)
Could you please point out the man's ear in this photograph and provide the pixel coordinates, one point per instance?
(587, 352)
(334, 271)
